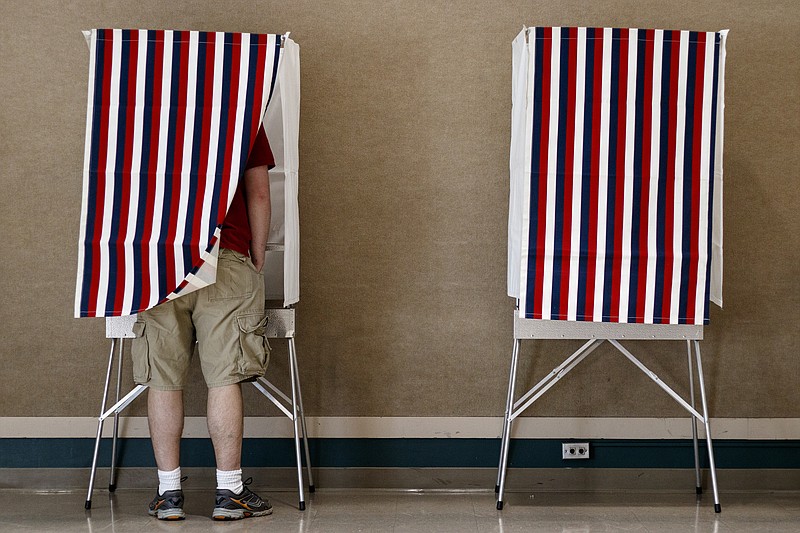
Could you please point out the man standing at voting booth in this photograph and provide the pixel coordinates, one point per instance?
(227, 319)
(175, 219)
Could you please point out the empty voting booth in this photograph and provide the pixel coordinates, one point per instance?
(171, 118)
(615, 211)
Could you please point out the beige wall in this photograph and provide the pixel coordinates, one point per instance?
(403, 200)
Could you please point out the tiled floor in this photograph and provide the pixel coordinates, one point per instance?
(378, 511)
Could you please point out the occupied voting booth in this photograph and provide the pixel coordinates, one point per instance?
(171, 118)
(615, 212)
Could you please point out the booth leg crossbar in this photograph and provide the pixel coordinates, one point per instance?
(279, 325)
(515, 407)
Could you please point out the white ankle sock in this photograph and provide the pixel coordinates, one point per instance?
(230, 480)
(169, 480)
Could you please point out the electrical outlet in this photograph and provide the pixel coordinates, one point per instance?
(574, 450)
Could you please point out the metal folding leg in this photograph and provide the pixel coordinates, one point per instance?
(509, 402)
(707, 423)
(112, 482)
(302, 417)
(512, 380)
(295, 424)
(698, 484)
(88, 504)
(516, 408)
(281, 325)
(116, 409)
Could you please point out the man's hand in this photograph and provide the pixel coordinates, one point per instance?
(257, 258)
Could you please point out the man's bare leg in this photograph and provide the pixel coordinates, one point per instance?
(225, 425)
(165, 418)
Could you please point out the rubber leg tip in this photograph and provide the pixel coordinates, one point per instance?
(302, 506)
(311, 488)
(717, 508)
(496, 489)
(88, 504)
(112, 487)
(698, 490)
(499, 506)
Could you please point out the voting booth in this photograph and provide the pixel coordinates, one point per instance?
(171, 118)
(615, 211)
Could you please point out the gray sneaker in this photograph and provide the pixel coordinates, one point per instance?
(232, 506)
(167, 506)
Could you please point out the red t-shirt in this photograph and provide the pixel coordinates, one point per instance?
(236, 233)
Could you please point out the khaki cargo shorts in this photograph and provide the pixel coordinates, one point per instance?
(227, 319)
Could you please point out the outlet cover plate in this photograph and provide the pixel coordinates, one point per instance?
(574, 450)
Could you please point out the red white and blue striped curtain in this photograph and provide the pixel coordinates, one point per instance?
(621, 149)
(171, 118)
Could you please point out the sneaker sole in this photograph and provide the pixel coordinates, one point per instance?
(169, 514)
(221, 513)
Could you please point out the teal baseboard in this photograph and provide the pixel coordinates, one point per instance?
(411, 453)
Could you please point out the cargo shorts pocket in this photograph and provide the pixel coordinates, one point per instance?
(234, 277)
(140, 353)
(254, 348)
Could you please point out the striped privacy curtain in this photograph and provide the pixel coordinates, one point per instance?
(170, 122)
(616, 169)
